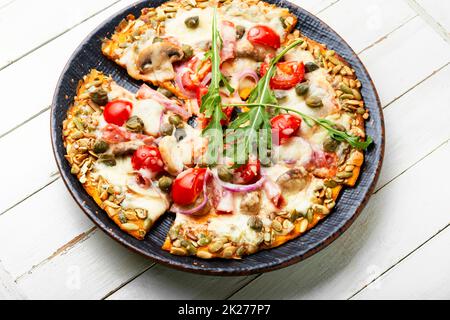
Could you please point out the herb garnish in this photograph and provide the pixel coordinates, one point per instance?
(211, 101)
(248, 125)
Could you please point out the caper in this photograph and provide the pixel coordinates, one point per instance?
(314, 102)
(255, 223)
(188, 51)
(100, 146)
(280, 94)
(166, 129)
(330, 145)
(135, 124)
(224, 174)
(165, 183)
(192, 22)
(302, 89)
(310, 67)
(165, 92)
(176, 121)
(157, 39)
(100, 97)
(107, 159)
(180, 134)
(240, 31)
(283, 22)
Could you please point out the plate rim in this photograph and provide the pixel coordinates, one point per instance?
(118, 237)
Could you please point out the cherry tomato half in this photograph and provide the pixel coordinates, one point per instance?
(285, 126)
(249, 173)
(188, 186)
(288, 74)
(263, 35)
(201, 91)
(147, 157)
(117, 112)
(189, 83)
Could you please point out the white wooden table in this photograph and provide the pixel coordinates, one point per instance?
(398, 248)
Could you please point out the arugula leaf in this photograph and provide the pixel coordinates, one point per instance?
(255, 124)
(328, 125)
(211, 101)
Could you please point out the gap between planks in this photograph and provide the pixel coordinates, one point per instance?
(434, 24)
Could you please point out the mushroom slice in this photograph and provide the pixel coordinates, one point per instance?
(125, 148)
(157, 59)
(172, 155)
(251, 203)
(293, 181)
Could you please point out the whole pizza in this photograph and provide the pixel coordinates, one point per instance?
(243, 128)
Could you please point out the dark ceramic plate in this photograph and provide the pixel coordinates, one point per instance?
(351, 201)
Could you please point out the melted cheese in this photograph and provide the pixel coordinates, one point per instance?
(177, 28)
(117, 175)
(150, 112)
(296, 150)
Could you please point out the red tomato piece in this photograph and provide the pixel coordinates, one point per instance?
(147, 157)
(263, 35)
(249, 173)
(287, 76)
(117, 112)
(285, 126)
(188, 186)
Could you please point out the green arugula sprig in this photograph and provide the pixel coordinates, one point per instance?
(211, 101)
(328, 125)
(253, 128)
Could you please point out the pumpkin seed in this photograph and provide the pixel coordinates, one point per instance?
(344, 175)
(350, 168)
(255, 223)
(204, 254)
(192, 22)
(131, 215)
(295, 215)
(346, 96)
(277, 226)
(302, 89)
(310, 215)
(288, 226)
(173, 233)
(331, 205)
(148, 223)
(251, 248)
(267, 237)
(204, 241)
(329, 193)
(130, 227)
(178, 251)
(229, 252)
(303, 225)
(78, 124)
(75, 169)
(344, 88)
(311, 67)
(165, 92)
(215, 246)
(77, 135)
(240, 251)
(361, 111)
(357, 94)
(314, 102)
(320, 209)
(330, 183)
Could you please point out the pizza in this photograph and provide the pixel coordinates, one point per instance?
(243, 128)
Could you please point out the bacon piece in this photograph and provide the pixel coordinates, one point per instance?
(228, 34)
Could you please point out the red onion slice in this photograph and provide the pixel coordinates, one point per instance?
(145, 92)
(238, 187)
(249, 73)
(179, 82)
(207, 79)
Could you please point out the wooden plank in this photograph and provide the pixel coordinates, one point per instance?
(439, 10)
(41, 228)
(53, 18)
(92, 268)
(163, 283)
(396, 221)
(361, 23)
(423, 275)
(26, 172)
(39, 92)
(400, 61)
